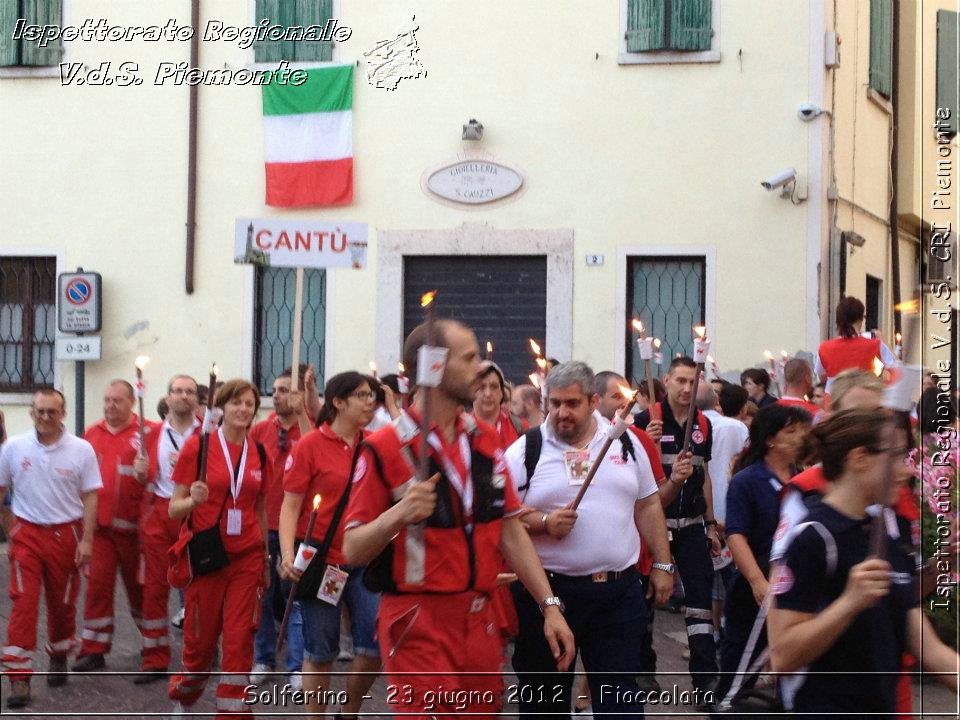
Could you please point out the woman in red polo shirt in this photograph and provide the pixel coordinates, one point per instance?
(320, 466)
(851, 349)
(224, 602)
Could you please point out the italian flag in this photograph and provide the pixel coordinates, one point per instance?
(308, 139)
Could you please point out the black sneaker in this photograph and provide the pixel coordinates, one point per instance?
(648, 683)
(150, 676)
(58, 671)
(89, 663)
(19, 694)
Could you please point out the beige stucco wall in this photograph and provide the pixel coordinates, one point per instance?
(666, 155)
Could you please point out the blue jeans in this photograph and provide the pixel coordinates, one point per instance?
(321, 621)
(265, 642)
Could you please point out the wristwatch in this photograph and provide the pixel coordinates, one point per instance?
(666, 567)
(547, 602)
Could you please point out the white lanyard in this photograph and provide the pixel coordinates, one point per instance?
(462, 485)
(236, 477)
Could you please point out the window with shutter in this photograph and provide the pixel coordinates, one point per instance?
(294, 13)
(947, 68)
(669, 31)
(32, 12)
(27, 322)
(881, 41)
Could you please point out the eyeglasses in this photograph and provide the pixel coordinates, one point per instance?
(363, 395)
(46, 413)
(182, 391)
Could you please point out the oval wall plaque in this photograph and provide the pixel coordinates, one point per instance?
(474, 182)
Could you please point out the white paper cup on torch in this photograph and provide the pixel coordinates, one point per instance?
(430, 363)
(645, 345)
(701, 346)
(305, 554)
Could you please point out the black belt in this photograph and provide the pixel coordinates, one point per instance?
(598, 577)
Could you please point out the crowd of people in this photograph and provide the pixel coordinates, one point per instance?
(440, 524)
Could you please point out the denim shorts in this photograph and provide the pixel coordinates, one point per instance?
(321, 622)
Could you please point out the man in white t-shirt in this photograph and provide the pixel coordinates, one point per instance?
(55, 478)
(590, 554)
(729, 438)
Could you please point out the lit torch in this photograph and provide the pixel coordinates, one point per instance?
(210, 421)
(140, 363)
(373, 370)
(701, 346)
(427, 378)
(645, 345)
(305, 555)
(403, 384)
(898, 348)
(489, 355)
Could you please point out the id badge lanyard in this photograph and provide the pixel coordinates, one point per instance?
(462, 485)
(236, 483)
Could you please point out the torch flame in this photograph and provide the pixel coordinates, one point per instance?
(899, 338)
(373, 367)
(214, 370)
(637, 325)
(877, 367)
(534, 347)
(316, 501)
(908, 306)
(489, 346)
(656, 343)
(710, 359)
(625, 390)
(700, 330)
(542, 364)
(784, 355)
(141, 362)
(427, 298)
(401, 368)
(768, 355)
(534, 381)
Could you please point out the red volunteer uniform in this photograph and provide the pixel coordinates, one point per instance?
(226, 601)
(645, 562)
(279, 444)
(437, 576)
(115, 543)
(800, 402)
(158, 532)
(508, 431)
(48, 481)
(320, 465)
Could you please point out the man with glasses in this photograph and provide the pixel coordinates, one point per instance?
(56, 479)
(279, 433)
(159, 530)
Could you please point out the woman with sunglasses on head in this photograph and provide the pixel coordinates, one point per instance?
(321, 466)
(225, 602)
(836, 609)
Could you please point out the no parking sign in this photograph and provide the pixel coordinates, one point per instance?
(78, 302)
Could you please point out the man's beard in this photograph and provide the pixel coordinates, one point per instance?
(463, 394)
(568, 435)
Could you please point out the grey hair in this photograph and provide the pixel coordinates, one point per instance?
(602, 379)
(571, 373)
(706, 397)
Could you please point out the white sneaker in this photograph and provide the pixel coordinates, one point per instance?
(296, 681)
(178, 711)
(260, 673)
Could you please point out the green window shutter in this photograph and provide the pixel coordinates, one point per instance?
(690, 24)
(646, 22)
(947, 65)
(881, 39)
(9, 48)
(270, 50)
(43, 12)
(314, 12)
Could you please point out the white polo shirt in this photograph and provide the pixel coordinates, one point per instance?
(170, 442)
(729, 438)
(605, 535)
(48, 479)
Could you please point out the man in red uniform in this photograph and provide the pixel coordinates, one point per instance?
(798, 385)
(55, 479)
(158, 530)
(435, 544)
(488, 405)
(123, 467)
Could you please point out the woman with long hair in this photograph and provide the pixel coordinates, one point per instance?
(850, 349)
(776, 444)
(226, 602)
(836, 607)
(320, 467)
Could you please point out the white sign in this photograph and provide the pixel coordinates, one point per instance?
(78, 302)
(474, 182)
(281, 243)
(87, 347)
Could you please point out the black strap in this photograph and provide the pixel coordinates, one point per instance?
(172, 441)
(321, 555)
(517, 425)
(531, 454)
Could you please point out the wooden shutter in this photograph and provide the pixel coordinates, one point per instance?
(9, 48)
(646, 25)
(42, 12)
(881, 39)
(691, 25)
(269, 50)
(947, 65)
(314, 12)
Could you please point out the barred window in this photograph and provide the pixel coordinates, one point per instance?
(28, 321)
(275, 296)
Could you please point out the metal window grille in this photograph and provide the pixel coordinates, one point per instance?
(668, 294)
(275, 289)
(28, 321)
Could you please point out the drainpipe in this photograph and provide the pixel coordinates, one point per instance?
(894, 168)
(192, 151)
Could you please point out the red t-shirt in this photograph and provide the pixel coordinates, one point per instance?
(219, 474)
(800, 402)
(320, 465)
(371, 496)
(267, 432)
(645, 561)
(121, 496)
(507, 432)
(811, 479)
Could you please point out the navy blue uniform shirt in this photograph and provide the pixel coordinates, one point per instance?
(753, 509)
(689, 501)
(874, 642)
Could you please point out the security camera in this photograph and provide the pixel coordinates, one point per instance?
(808, 112)
(472, 130)
(784, 177)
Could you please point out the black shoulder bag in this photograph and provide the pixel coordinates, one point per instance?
(311, 578)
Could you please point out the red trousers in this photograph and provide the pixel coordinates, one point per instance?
(227, 602)
(453, 636)
(112, 549)
(41, 556)
(158, 532)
